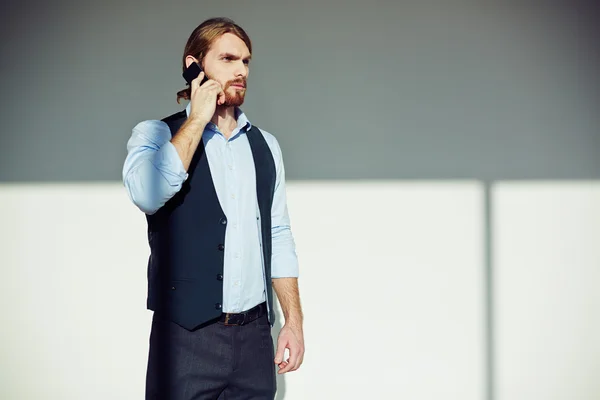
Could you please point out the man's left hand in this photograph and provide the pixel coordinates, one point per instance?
(292, 338)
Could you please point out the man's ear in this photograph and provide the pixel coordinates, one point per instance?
(189, 60)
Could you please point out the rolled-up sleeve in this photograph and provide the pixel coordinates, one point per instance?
(153, 171)
(284, 261)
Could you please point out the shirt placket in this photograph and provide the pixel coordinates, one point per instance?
(234, 224)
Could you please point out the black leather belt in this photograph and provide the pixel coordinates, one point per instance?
(244, 317)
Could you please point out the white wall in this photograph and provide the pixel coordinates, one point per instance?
(548, 302)
(391, 283)
(72, 295)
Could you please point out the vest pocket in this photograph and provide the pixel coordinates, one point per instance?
(181, 283)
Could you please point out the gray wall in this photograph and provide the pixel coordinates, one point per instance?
(479, 89)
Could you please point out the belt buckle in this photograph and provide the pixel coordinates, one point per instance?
(227, 315)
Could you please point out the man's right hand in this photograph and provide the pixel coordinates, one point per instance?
(205, 98)
(203, 103)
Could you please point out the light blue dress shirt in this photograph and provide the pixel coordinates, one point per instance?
(153, 162)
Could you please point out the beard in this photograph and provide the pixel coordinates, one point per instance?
(236, 98)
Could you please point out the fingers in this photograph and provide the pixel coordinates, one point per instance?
(210, 91)
(212, 87)
(291, 361)
(197, 81)
(296, 353)
(221, 97)
(282, 366)
(281, 345)
(285, 366)
(210, 84)
(295, 359)
(204, 97)
(300, 359)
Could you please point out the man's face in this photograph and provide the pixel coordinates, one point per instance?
(227, 62)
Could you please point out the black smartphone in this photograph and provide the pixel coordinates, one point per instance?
(192, 73)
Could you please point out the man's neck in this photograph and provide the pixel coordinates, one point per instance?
(224, 118)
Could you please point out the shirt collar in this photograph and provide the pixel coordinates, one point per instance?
(243, 123)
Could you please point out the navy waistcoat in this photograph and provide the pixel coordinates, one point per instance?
(187, 238)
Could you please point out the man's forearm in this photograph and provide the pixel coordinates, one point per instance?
(289, 298)
(186, 140)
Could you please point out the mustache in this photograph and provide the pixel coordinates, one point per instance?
(240, 81)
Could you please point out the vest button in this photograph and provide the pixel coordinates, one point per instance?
(221, 247)
(223, 221)
(218, 306)
(219, 277)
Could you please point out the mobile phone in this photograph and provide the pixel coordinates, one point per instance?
(192, 73)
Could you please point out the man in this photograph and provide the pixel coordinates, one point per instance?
(212, 186)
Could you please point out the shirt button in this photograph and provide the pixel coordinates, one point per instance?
(221, 247)
(218, 306)
(233, 196)
(230, 167)
(237, 283)
(237, 255)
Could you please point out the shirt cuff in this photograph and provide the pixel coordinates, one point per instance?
(167, 161)
(284, 261)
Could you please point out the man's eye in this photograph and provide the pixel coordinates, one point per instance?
(227, 58)
(246, 62)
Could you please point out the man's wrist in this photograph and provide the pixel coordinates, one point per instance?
(196, 122)
(293, 320)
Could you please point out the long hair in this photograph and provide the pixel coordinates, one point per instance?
(201, 40)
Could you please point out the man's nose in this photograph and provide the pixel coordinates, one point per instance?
(241, 70)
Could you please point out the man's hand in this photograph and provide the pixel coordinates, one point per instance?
(205, 98)
(292, 338)
(203, 103)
